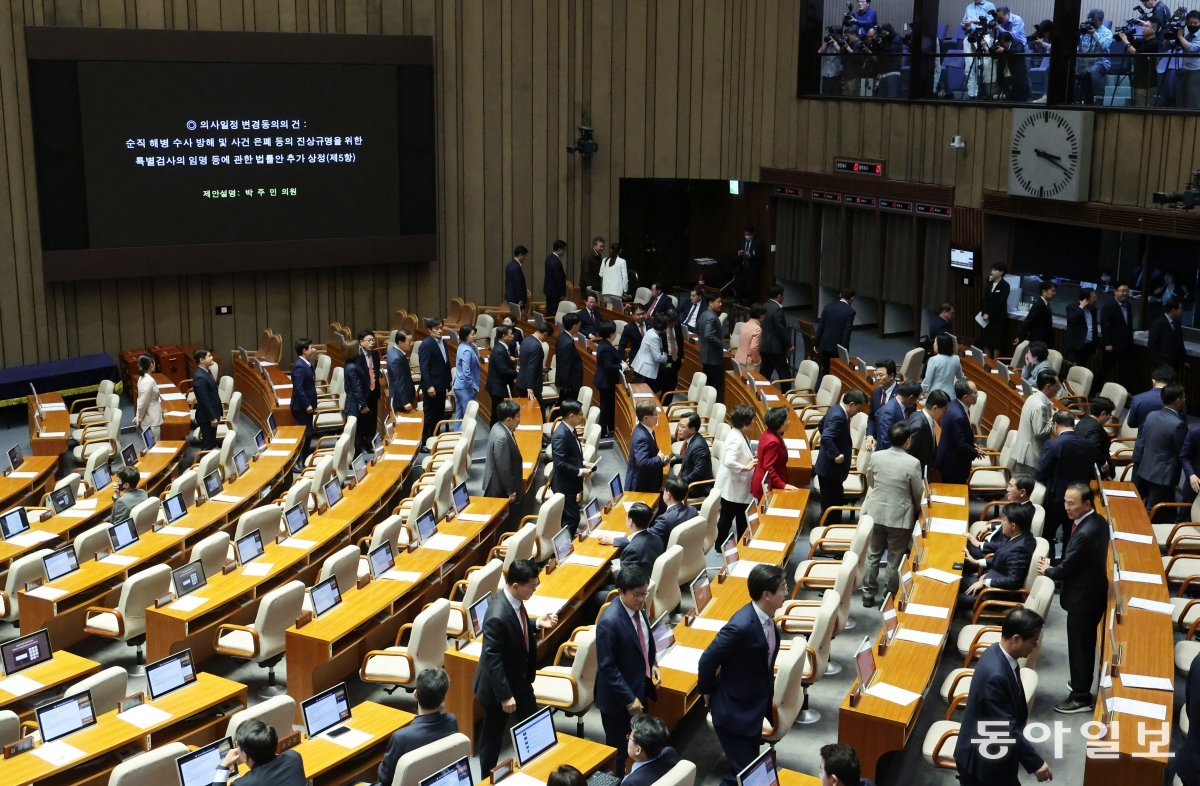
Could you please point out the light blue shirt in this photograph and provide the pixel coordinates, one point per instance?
(941, 372)
(1190, 63)
(976, 10)
(1087, 318)
(466, 363)
(1097, 43)
(1016, 26)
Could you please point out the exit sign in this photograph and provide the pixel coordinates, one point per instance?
(858, 166)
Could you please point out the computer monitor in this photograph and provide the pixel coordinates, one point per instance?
(333, 492)
(380, 559)
(663, 634)
(461, 498)
(174, 508)
(326, 710)
(14, 522)
(477, 613)
(890, 620)
(295, 519)
(29, 650)
(260, 441)
(189, 578)
(563, 546)
(197, 768)
(170, 674)
(701, 591)
(240, 463)
(534, 736)
(212, 484)
(359, 467)
(844, 354)
(148, 438)
(249, 547)
(62, 499)
(325, 595)
(61, 717)
(426, 526)
(456, 774)
(101, 477)
(15, 459)
(906, 586)
(377, 447)
(591, 516)
(864, 662)
(122, 534)
(60, 563)
(129, 455)
(271, 425)
(614, 488)
(761, 771)
(729, 550)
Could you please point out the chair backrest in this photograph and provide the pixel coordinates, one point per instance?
(265, 519)
(91, 542)
(690, 537)
(390, 530)
(20, 572)
(224, 386)
(862, 534)
(710, 511)
(235, 408)
(209, 463)
(276, 613)
(549, 522)
(715, 419)
(1006, 450)
(443, 489)
(343, 450)
(665, 576)
(322, 474)
(585, 401)
(999, 431)
(226, 451)
(145, 514)
(298, 494)
(10, 727)
(821, 638)
(108, 687)
(212, 551)
(1081, 378)
(489, 578)
(427, 644)
(342, 563)
(101, 455)
(830, 390)
(1040, 593)
(185, 485)
(322, 368)
(910, 367)
(277, 711)
(682, 774)
(1018, 358)
(975, 414)
(788, 695)
(641, 295)
(520, 546)
(1118, 395)
(73, 481)
(1041, 549)
(858, 429)
(583, 668)
(1039, 520)
(846, 576)
(460, 457)
(484, 323)
(137, 593)
(708, 397)
(807, 374)
(416, 765)
(422, 502)
(1056, 360)
(699, 380)
(154, 766)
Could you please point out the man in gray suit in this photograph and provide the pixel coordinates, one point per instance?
(894, 495)
(128, 496)
(502, 470)
(1036, 422)
(1159, 447)
(712, 346)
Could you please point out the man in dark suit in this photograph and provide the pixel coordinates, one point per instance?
(435, 376)
(776, 343)
(531, 367)
(1038, 324)
(625, 659)
(1083, 328)
(982, 543)
(1189, 457)
(1007, 566)
(834, 326)
(1142, 404)
(590, 274)
(255, 744)
(502, 372)
(304, 393)
(922, 443)
(834, 458)
(992, 746)
(644, 472)
(632, 333)
(1187, 758)
(554, 282)
(883, 392)
(368, 361)
(432, 723)
(1156, 462)
(1067, 459)
(568, 366)
(1084, 576)
(1091, 428)
(642, 547)
(504, 677)
(589, 316)
(647, 747)
(400, 380)
(736, 673)
(940, 323)
(749, 259)
(208, 401)
(609, 367)
(712, 345)
(694, 458)
(690, 313)
(502, 470)
(1116, 335)
(516, 294)
(956, 448)
(995, 309)
(675, 510)
(900, 406)
(569, 467)
(659, 300)
(1165, 341)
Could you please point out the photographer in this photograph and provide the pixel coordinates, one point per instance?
(978, 69)
(1011, 54)
(1011, 23)
(1039, 39)
(1187, 78)
(1159, 13)
(862, 19)
(854, 64)
(831, 63)
(887, 51)
(1092, 64)
(1146, 40)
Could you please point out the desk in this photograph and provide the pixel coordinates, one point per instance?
(584, 755)
(793, 778)
(852, 380)
(875, 727)
(266, 390)
(1003, 398)
(677, 694)
(327, 762)
(625, 418)
(740, 391)
(1149, 645)
(33, 479)
(65, 668)
(191, 722)
(177, 415)
(48, 434)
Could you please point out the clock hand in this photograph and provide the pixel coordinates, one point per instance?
(1045, 155)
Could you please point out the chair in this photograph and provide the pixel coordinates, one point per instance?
(993, 603)
(84, 410)
(689, 536)
(344, 564)
(265, 519)
(547, 522)
(278, 712)
(993, 443)
(682, 774)
(399, 665)
(1056, 360)
(185, 485)
(800, 615)
(391, 531)
(153, 766)
(22, 571)
(804, 387)
(570, 688)
(146, 514)
(100, 456)
(108, 687)
(974, 639)
(827, 395)
(710, 511)
(818, 663)
(10, 727)
(299, 493)
(992, 479)
(910, 367)
(91, 542)
(515, 546)
(415, 766)
(1119, 397)
(262, 641)
(692, 402)
(127, 620)
(212, 551)
(99, 435)
(1077, 389)
(975, 415)
(958, 683)
(479, 581)
(641, 295)
(817, 573)
(664, 581)
(787, 700)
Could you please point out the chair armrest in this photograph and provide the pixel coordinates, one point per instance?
(1162, 506)
(952, 694)
(227, 627)
(406, 628)
(1184, 545)
(816, 408)
(810, 564)
(837, 509)
(994, 467)
(557, 676)
(94, 610)
(977, 646)
(362, 672)
(81, 404)
(1187, 585)
(993, 605)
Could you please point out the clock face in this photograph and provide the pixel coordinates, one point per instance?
(1045, 156)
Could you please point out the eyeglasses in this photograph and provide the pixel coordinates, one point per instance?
(638, 594)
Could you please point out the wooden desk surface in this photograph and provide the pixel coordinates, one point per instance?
(48, 434)
(793, 778)
(321, 756)
(65, 668)
(177, 415)
(582, 754)
(875, 727)
(266, 390)
(625, 418)
(1149, 640)
(763, 395)
(853, 380)
(30, 481)
(110, 733)
(1003, 398)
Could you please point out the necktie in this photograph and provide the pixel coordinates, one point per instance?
(442, 349)
(683, 451)
(883, 402)
(1125, 311)
(524, 627)
(1020, 685)
(769, 630)
(371, 371)
(637, 626)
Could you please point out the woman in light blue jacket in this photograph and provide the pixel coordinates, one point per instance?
(944, 368)
(466, 371)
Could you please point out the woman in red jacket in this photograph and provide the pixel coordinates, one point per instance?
(772, 455)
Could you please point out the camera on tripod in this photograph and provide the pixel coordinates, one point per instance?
(1177, 21)
(981, 27)
(849, 19)
(1134, 23)
(1187, 199)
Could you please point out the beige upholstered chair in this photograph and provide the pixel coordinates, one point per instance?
(108, 687)
(414, 766)
(185, 485)
(399, 665)
(265, 519)
(690, 537)
(91, 542)
(212, 551)
(570, 688)
(547, 522)
(682, 774)
(787, 701)
(127, 620)
(343, 564)
(391, 531)
(279, 712)
(145, 515)
(517, 545)
(479, 582)
(153, 766)
(263, 640)
(664, 582)
(22, 571)
(10, 727)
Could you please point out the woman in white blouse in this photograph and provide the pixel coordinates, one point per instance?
(614, 276)
(149, 412)
(733, 474)
(651, 354)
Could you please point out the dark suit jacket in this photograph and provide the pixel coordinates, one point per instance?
(1078, 338)
(1187, 758)
(837, 319)
(686, 311)
(644, 472)
(423, 730)
(567, 456)
(588, 321)
(1010, 564)
(937, 326)
(1090, 429)
(506, 666)
(956, 448)
(208, 401)
(1038, 324)
(892, 414)
(631, 340)
(671, 518)
(531, 374)
(1141, 405)
(1067, 459)
(651, 771)
(1189, 455)
(1083, 570)
(435, 370)
(995, 307)
(568, 370)
(835, 441)
(304, 387)
(1115, 330)
(921, 443)
(400, 380)
(620, 669)
(877, 407)
(641, 549)
(514, 283)
(286, 769)
(995, 699)
(502, 372)
(775, 337)
(1159, 444)
(712, 345)
(697, 462)
(608, 366)
(741, 693)
(554, 283)
(1165, 343)
(356, 387)
(656, 304)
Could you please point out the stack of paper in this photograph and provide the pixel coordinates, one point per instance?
(919, 636)
(948, 526)
(680, 658)
(351, 739)
(144, 716)
(937, 574)
(881, 690)
(703, 623)
(443, 542)
(58, 753)
(921, 610)
(257, 568)
(19, 685)
(188, 603)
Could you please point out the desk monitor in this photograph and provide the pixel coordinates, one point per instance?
(212, 484)
(906, 585)
(62, 499)
(29, 650)
(60, 563)
(844, 354)
(477, 613)
(461, 498)
(1005, 372)
(325, 595)
(189, 578)
(13, 523)
(426, 526)
(170, 674)
(122, 534)
(978, 356)
(456, 774)
(377, 447)
(864, 661)
(271, 424)
(890, 620)
(534, 736)
(701, 592)
(591, 516)
(148, 438)
(129, 455)
(240, 463)
(326, 710)
(15, 459)
(563, 545)
(614, 488)
(295, 519)
(56, 719)
(333, 492)
(359, 467)
(761, 771)
(663, 635)
(174, 508)
(260, 441)
(729, 549)
(249, 547)
(197, 768)
(380, 559)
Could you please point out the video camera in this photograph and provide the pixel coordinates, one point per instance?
(1177, 22)
(981, 27)
(1187, 199)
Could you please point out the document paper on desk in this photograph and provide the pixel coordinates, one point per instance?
(1133, 537)
(22, 475)
(443, 542)
(704, 623)
(585, 560)
(118, 559)
(351, 739)
(922, 610)
(919, 636)
(188, 603)
(1120, 493)
(31, 537)
(948, 500)
(541, 605)
(475, 518)
(1141, 578)
(19, 685)
(767, 545)
(58, 753)
(257, 569)
(297, 543)
(937, 574)
(795, 444)
(948, 526)
(1142, 709)
(1151, 605)
(881, 690)
(741, 569)
(144, 716)
(680, 658)
(46, 593)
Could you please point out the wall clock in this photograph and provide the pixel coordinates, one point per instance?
(1050, 154)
